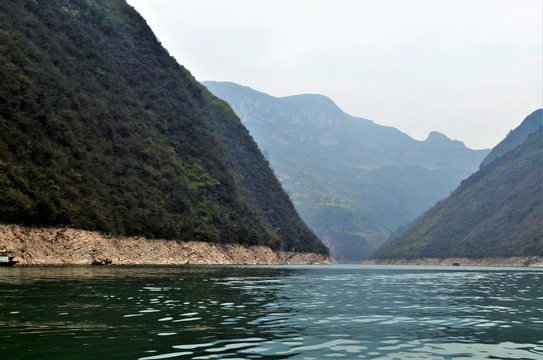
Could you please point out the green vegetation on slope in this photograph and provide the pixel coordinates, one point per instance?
(516, 136)
(101, 129)
(496, 212)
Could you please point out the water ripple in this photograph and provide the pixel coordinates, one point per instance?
(273, 313)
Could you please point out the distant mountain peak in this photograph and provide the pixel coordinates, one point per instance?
(496, 212)
(435, 138)
(436, 135)
(353, 181)
(312, 100)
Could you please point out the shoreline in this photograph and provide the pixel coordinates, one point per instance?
(66, 246)
(514, 261)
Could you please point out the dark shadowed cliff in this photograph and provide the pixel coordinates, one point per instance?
(101, 129)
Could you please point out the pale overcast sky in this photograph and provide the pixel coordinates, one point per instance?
(472, 69)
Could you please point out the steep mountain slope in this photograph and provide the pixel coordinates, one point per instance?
(101, 129)
(516, 136)
(496, 212)
(353, 181)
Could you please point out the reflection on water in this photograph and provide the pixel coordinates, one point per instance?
(299, 312)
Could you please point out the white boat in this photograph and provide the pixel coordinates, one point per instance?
(6, 258)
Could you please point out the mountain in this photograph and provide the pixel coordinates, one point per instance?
(354, 182)
(101, 129)
(496, 212)
(516, 136)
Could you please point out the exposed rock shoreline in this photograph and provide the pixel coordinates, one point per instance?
(508, 261)
(55, 246)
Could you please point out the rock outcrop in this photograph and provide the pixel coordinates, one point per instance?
(64, 246)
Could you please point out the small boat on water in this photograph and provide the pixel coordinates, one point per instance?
(6, 258)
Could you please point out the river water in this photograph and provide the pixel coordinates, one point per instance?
(282, 312)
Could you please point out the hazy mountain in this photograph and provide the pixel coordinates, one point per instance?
(496, 212)
(353, 181)
(516, 136)
(101, 129)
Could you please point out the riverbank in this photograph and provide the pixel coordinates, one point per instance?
(54, 246)
(508, 261)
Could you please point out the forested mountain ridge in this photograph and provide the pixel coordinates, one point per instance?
(516, 136)
(354, 182)
(101, 129)
(496, 212)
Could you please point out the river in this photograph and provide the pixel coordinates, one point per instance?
(271, 312)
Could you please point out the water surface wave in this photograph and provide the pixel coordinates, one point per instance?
(294, 312)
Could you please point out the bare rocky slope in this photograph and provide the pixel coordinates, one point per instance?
(64, 246)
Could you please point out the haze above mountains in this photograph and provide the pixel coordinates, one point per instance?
(354, 182)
